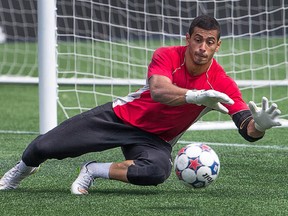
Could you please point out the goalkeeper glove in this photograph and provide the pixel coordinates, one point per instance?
(266, 117)
(209, 98)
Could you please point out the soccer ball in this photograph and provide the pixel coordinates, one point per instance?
(197, 165)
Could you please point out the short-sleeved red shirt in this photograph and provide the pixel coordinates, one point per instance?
(138, 108)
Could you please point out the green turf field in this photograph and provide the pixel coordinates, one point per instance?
(252, 178)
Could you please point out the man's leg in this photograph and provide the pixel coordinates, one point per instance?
(74, 137)
(146, 165)
(93, 170)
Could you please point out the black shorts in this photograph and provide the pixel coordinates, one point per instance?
(96, 130)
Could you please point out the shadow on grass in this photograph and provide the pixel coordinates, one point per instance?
(93, 191)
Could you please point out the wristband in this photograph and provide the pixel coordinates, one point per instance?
(191, 96)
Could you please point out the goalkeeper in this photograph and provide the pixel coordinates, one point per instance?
(183, 84)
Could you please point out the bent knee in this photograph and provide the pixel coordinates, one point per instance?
(33, 154)
(147, 175)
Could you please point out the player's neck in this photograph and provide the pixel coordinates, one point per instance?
(195, 69)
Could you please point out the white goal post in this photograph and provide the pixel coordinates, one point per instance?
(47, 65)
(91, 51)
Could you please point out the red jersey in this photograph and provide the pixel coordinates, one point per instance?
(168, 122)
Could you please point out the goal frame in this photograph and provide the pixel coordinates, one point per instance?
(48, 81)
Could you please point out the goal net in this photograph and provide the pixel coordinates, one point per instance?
(104, 47)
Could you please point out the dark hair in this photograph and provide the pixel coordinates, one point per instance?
(205, 22)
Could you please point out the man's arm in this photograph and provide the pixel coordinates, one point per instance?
(162, 90)
(253, 132)
(253, 124)
(245, 124)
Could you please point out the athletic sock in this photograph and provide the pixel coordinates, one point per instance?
(23, 167)
(99, 170)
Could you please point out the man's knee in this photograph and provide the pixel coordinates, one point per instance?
(34, 154)
(147, 175)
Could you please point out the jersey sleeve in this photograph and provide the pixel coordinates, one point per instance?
(161, 63)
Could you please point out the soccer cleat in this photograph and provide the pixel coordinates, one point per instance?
(14, 176)
(83, 182)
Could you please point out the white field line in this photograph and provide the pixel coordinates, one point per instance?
(238, 145)
(17, 132)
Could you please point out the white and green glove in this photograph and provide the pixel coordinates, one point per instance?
(265, 117)
(209, 98)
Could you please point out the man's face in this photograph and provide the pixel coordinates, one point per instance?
(202, 45)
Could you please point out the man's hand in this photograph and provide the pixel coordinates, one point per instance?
(265, 117)
(209, 98)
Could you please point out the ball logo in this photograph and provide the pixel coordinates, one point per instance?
(208, 177)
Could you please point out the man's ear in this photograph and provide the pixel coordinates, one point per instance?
(218, 45)
(187, 38)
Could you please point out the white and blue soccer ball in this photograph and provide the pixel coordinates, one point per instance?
(197, 165)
